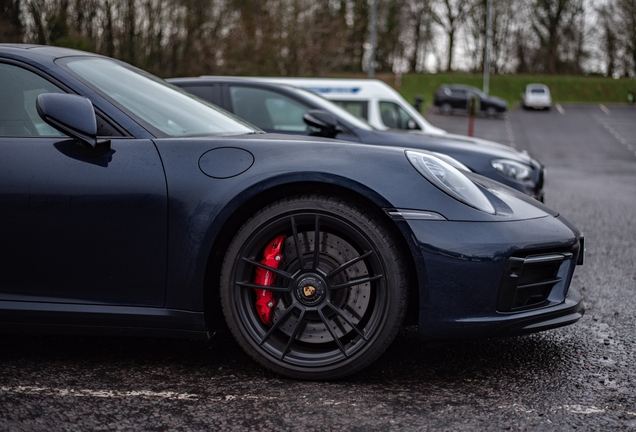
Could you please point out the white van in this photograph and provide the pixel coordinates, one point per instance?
(370, 99)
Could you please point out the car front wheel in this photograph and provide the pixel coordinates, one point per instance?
(313, 288)
(446, 109)
(491, 112)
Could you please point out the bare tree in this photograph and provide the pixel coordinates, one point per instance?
(359, 32)
(317, 37)
(324, 31)
(627, 29)
(554, 22)
(418, 32)
(607, 14)
(390, 48)
(108, 44)
(11, 27)
(450, 15)
(37, 9)
(504, 13)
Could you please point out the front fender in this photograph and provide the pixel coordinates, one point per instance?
(199, 204)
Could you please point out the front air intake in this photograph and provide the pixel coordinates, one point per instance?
(528, 281)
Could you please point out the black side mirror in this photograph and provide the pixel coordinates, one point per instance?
(70, 114)
(324, 121)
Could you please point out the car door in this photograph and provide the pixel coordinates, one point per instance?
(76, 227)
(274, 111)
(459, 98)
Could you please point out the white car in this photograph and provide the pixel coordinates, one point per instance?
(536, 96)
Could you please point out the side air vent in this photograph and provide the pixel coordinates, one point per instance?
(528, 281)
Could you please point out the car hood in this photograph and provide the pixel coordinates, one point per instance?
(451, 144)
(496, 100)
(360, 166)
(472, 140)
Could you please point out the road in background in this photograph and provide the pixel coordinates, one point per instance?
(579, 377)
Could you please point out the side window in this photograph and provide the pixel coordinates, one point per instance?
(204, 92)
(268, 110)
(18, 114)
(459, 93)
(396, 117)
(357, 108)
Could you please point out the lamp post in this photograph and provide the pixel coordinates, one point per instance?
(487, 49)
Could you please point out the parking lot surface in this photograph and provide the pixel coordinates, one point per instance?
(581, 377)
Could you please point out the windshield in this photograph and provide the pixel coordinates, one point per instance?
(331, 107)
(165, 109)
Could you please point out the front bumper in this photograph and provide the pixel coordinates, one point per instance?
(568, 312)
(485, 279)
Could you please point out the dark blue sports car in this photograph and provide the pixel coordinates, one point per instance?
(128, 207)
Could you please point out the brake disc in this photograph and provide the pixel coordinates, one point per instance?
(353, 301)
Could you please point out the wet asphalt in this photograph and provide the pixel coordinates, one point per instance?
(581, 377)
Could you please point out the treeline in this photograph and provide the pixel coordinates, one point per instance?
(320, 37)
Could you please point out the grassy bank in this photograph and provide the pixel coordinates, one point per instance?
(509, 87)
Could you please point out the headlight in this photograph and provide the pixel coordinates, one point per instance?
(513, 169)
(449, 180)
(452, 161)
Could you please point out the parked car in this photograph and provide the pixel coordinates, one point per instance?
(450, 97)
(130, 208)
(370, 99)
(536, 96)
(280, 108)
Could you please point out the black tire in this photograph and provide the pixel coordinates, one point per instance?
(491, 112)
(446, 108)
(342, 327)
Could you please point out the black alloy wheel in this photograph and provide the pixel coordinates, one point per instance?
(491, 112)
(338, 305)
(446, 108)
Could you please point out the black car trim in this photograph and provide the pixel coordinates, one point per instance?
(24, 313)
(569, 312)
(401, 214)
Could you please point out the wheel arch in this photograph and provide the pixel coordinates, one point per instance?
(243, 207)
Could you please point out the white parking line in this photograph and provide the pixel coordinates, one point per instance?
(64, 392)
(559, 108)
(620, 138)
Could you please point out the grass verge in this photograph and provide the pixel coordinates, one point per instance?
(509, 87)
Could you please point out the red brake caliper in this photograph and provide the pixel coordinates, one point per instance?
(265, 298)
